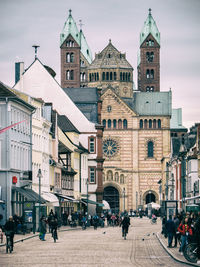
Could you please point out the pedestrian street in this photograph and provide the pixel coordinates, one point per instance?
(101, 247)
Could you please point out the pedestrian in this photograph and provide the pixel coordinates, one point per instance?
(176, 233)
(170, 227)
(197, 235)
(95, 221)
(164, 232)
(186, 231)
(125, 224)
(9, 228)
(43, 228)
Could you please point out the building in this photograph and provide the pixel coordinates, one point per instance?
(136, 123)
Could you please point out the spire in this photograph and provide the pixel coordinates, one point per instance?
(150, 27)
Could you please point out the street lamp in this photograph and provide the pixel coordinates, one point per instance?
(182, 153)
(87, 182)
(39, 175)
(124, 196)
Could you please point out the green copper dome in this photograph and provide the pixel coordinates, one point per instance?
(150, 27)
(70, 28)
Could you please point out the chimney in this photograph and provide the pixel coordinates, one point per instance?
(19, 69)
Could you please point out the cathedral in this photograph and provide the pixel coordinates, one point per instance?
(136, 122)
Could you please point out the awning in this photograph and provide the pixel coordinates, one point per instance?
(85, 201)
(30, 195)
(106, 205)
(51, 198)
(67, 198)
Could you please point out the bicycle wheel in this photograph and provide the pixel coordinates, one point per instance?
(190, 252)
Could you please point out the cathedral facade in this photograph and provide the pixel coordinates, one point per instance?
(136, 123)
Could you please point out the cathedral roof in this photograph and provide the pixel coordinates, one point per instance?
(149, 27)
(70, 28)
(151, 104)
(110, 57)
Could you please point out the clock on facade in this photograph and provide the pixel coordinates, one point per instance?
(110, 147)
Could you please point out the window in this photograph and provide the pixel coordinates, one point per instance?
(92, 144)
(150, 149)
(151, 89)
(141, 124)
(109, 124)
(97, 76)
(107, 76)
(72, 57)
(104, 123)
(147, 74)
(92, 175)
(109, 108)
(72, 75)
(121, 179)
(159, 123)
(68, 75)
(150, 124)
(147, 89)
(111, 76)
(145, 124)
(125, 124)
(114, 124)
(115, 76)
(103, 76)
(152, 74)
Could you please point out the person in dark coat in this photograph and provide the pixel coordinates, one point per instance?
(170, 227)
(10, 229)
(176, 233)
(125, 224)
(43, 228)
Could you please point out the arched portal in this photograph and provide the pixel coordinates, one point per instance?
(150, 197)
(111, 195)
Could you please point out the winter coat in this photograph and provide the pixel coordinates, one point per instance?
(184, 229)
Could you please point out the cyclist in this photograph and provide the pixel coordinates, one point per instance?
(54, 227)
(10, 230)
(125, 225)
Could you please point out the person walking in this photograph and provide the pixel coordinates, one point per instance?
(170, 227)
(125, 225)
(186, 231)
(176, 233)
(9, 228)
(43, 228)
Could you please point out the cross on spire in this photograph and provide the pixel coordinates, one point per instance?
(36, 48)
(80, 24)
(149, 11)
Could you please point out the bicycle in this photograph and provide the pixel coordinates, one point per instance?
(9, 247)
(190, 252)
(124, 232)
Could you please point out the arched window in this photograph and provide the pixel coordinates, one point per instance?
(145, 124)
(119, 124)
(109, 124)
(84, 76)
(107, 76)
(72, 57)
(90, 75)
(72, 43)
(123, 76)
(67, 75)
(154, 123)
(129, 77)
(104, 123)
(159, 123)
(147, 74)
(117, 177)
(147, 89)
(114, 124)
(109, 176)
(150, 124)
(126, 76)
(121, 179)
(103, 76)
(67, 57)
(125, 125)
(141, 124)
(147, 56)
(151, 56)
(115, 76)
(71, 75)
(151, 89)
(150, 149)
(111, 76)
(97, 76)
(120, 76)
(152, 74)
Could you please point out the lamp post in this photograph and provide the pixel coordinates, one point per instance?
(182, 153)
(39, 175)
(87, 182)
(124, 196)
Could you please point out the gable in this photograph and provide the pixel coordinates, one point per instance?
(118, 107)
(69, 38)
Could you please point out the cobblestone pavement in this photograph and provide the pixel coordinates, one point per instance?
(101, 247)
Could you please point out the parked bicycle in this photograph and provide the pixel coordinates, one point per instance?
(190, 252)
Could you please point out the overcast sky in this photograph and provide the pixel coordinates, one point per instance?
(27, 22)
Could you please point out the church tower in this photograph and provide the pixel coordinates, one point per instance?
(149, 57)
(75, 55)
